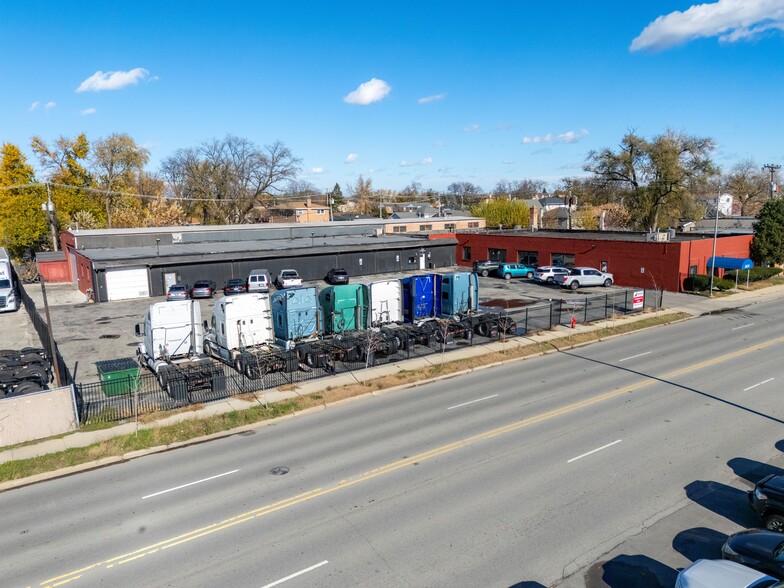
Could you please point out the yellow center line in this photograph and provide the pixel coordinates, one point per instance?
(396, 465)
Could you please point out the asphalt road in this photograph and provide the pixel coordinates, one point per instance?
(515, 475)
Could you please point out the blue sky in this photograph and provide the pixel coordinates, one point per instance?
(433, 92)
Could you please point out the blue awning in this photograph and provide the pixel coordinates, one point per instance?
(736, 263)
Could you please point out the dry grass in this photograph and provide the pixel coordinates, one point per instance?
(195, 428)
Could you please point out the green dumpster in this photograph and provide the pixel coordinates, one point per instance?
(118, 376)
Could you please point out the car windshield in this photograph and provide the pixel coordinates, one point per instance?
(201, 285)
(575, 272)
(177, 289)
(289, 274)
(339, 272)
(234, 283)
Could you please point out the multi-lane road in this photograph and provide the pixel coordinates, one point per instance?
(517, 474)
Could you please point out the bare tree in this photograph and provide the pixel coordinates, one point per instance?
(117, 161)
(749, 186)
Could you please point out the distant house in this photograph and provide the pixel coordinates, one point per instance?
(299, 212)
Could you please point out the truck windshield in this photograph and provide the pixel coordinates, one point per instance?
(5, 283)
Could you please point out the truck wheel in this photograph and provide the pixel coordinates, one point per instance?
(483, 329)
(774, 522)
(163, 377)
(607, 283)
(238, 364)
(574, 285)
(207, 349)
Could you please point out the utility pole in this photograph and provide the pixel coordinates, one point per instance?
(715, 237)
(772, 168)
(49, 208)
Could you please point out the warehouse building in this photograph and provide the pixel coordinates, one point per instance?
(118, 264)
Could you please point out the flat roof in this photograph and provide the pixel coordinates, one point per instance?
(596, 235)
(195, 252)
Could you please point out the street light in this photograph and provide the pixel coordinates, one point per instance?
(715, 236)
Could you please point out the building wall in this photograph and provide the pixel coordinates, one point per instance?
(632, 263)
(55, 271)
(425, 225)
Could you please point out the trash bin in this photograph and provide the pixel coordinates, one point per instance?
(118, 376)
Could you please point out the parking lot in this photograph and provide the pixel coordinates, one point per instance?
(87, 332)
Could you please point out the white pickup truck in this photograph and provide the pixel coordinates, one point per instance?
(288, 278)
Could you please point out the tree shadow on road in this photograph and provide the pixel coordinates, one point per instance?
(724, 500)
(699, 543)
(624, 571)
(751, 470)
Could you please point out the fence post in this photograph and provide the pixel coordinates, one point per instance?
(585, 312)
(526, 321)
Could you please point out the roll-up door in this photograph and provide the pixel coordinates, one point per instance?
(127, 283)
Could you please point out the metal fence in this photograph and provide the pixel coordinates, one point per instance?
(123, 399)
(42, 330)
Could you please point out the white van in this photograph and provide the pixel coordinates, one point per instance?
(259, 280)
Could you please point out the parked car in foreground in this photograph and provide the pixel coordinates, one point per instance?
(235, 286)
(337, 275)
(288, 278)
(203, 289)
(178, 292)
(706, 573)
(585, 276)
(508, 271)
(485, 268)
(548, 274)
(767, 500)
(760, 549)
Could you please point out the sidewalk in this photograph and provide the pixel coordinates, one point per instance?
(692, 305)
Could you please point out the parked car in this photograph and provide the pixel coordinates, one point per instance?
(760, 549)
(550, 274)
(259, 280)
(337, 275)
(234, 286)
(203, 289)
(288, 278)
(484, 268)
(767, 500)
(585, 276)
(508, 271)
(178, 292)
(707, 573)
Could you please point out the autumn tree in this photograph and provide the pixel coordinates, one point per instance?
(65, 165)
(462, 192)
(654, 175)
(117, 162)
(503, 212)
(749, 186)
(223, 179)
(364, 196)
(22, 222)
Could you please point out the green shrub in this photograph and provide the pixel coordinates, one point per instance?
(755, 274)
(701, 283)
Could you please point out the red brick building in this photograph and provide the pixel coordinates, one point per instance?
(634, 259)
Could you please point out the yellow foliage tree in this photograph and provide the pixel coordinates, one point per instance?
(22, 221)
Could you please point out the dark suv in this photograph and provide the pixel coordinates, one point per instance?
(485, 268)
(767, 500)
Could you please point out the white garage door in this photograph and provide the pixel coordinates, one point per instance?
(128, 283)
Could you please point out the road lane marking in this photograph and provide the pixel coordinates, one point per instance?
(635, 356)
(472, 401)
(743, 326)
(399, 464)
(295, 574)
(758, 384)
(190, 484)
(593, 451)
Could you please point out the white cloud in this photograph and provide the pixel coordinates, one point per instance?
(112, 80)
(567, 137)
(317, 170)
(87, 111)
(405, 163)
(351, 158)
(427, 161)
(49, 105)
(368, 93)
(507, 161)
(434, 98)
(471, 129)
(33, 106)
(729, 20)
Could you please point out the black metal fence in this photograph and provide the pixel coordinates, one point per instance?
(124, 398)
(42, 330)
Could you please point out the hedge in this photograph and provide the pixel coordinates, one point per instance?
(755, 274)
(700, 282)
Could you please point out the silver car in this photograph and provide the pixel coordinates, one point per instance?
(549, 274)
(178, 292)
(705, 573)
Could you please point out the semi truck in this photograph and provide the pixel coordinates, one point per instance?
(172, 348)
(242, 335)
(8, 298)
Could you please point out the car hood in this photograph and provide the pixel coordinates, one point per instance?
(717, 574)
(760, 543)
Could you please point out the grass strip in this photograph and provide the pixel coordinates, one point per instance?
(193, 429)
